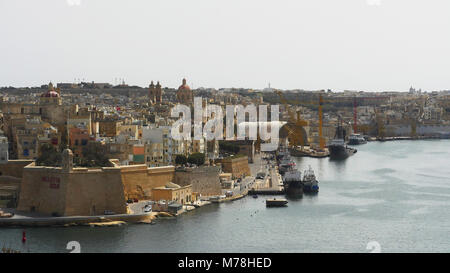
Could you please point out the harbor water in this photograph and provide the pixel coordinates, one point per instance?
(395, 193)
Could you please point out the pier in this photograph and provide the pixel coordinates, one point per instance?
(271, 184)
(309, 152)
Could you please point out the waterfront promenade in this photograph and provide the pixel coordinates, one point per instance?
(272, 182)
(35, 221)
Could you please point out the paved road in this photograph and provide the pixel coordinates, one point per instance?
(271, 180)
(137, 207)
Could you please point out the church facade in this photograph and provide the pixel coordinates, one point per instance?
(155, 93)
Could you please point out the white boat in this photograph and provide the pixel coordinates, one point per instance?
(356, 139)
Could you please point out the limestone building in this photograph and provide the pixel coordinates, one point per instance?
(173, 192)
(48, 114)
(236, 165)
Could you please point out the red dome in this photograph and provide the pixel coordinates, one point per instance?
(50, 94)
(184, 86)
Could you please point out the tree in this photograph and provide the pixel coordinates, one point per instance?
(94, 155)
(180, 159)
(48, 156)
(197, 159)
(229, 147)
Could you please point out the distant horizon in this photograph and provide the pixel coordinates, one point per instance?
(219, 88)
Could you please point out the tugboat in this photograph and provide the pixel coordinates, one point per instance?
(337, 147)
(293, 184)
(310, 183)
(356, 139)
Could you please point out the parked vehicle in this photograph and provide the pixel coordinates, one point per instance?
(148, 208)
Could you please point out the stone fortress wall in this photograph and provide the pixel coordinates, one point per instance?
(405, 130)
(84, 192)
(14, 168)
(205, 179)
(139, 180)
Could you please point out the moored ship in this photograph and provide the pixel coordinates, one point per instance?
(285, 164)
(356, 139)
(337, 147)
(293, 184)
(310, 183)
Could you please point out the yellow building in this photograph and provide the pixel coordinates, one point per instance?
(173, 192)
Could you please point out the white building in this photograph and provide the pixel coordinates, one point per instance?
(160, 148)
(432, 113)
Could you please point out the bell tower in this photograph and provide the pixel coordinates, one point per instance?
(158, 93)
(151, 93)
(67, 161)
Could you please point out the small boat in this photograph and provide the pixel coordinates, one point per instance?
(255, 196)
(276, 202)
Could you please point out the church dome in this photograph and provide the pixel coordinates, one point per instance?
(50, 94)
(184, 86)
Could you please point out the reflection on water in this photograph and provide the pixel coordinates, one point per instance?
(387, 192)
(338, 164)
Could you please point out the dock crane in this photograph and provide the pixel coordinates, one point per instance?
(295, 124)
(354, 101)
(321, 139)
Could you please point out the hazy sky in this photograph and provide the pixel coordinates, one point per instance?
(372, 45)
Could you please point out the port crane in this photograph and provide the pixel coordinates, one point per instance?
(354, 101)
(295, 124)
